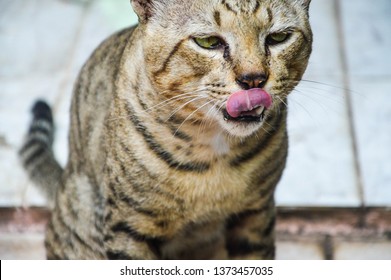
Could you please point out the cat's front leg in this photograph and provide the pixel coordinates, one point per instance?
(132, 229)
(123, 242)
(129, 235)
(250, 234)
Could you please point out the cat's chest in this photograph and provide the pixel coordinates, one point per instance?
(221, 189)
(219, 145)
(219, 192)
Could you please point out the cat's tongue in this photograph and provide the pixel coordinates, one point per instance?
(244, 101)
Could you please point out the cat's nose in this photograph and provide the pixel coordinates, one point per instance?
(252, 80)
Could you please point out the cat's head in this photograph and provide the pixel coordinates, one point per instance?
(226, 61)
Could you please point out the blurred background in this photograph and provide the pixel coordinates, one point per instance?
(335, 197)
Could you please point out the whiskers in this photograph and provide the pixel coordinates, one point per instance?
(195, 98)
(174, 103)
(211, 114)
(318, 100)
(193, 113)
(176, 99)
(182, 106)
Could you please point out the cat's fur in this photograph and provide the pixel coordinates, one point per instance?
(155, 170)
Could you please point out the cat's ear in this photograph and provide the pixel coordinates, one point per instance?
(304, 3)
(144, 9)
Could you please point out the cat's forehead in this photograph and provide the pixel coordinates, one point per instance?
(248, 7)
(238, 7)
(179, 18)
(230, 11)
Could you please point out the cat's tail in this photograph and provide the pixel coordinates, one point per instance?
(37, 155)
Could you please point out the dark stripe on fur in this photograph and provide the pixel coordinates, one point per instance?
(234, 219)
(267, 231)
(123, 227)
(50, 252)
(130, 179)
(135, 205)
(73, 233)
(36, 152)
(117, 255)
(108, 238)
(41, 110)
(269, 14)
(51, 238)
(39, 129)
(76, 111)
(271, 173)
(164, 155)
(136, 90)
(227, 54)
(247, 156)
(145, 190)
(243, 247)
(228, 7)
(180, 134)
(168, 59)
(30, 143)
(257, 6)
(217, 18)
(130, 156)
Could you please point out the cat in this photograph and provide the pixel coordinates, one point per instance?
(178, 134)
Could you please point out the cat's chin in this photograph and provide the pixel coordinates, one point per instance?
(243, 126)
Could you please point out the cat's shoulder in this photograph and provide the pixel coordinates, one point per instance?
(113, 45)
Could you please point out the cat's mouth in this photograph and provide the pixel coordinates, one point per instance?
(254, 115)
(247, 105)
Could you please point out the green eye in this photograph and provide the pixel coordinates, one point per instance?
(277, 38)
(212, 42)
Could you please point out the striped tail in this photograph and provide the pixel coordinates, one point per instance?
(37, 152)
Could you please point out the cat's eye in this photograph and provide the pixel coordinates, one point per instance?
(212, 42)
(277, 38)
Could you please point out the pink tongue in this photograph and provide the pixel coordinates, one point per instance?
(246, 100)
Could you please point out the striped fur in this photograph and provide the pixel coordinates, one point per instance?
(37, 154)
(155, 169)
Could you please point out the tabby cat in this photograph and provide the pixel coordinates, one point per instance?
(178, 134)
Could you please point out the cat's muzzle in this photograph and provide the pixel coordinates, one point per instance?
(255, 115)
(247, 105)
